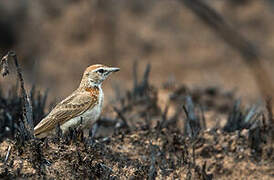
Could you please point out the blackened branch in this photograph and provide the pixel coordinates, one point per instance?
(28, 121)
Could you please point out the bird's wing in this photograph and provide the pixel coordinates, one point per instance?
(71, 107)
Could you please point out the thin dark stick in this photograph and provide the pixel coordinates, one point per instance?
(203, 122)
(135, 76)
(164, 118)
(152, 168)
(26, 99)
(119, 113)
(146, 76)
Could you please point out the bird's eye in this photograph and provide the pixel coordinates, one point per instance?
(101, 71)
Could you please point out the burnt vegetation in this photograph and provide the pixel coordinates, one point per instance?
(193, 133)
(146, 142)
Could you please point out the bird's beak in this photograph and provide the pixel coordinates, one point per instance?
(113, 69)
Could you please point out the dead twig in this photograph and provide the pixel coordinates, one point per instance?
(269, 108)
(192, 122)
(135, 76)
(119, 113)
(269, 111)
(28, 120)
(139, 89)
(152, 169)
(163, 118)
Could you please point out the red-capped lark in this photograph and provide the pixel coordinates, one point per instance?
(84, 105)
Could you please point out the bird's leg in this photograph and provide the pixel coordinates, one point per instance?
(92, 132)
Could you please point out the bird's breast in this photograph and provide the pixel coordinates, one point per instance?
(89, 117)
(92, 114)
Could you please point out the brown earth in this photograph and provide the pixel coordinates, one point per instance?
(144, 141)
(223, 155)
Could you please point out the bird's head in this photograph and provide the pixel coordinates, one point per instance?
(94, 75)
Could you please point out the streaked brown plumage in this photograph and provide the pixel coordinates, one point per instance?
(85, 102)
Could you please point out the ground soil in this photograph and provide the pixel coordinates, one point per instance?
(144, 141)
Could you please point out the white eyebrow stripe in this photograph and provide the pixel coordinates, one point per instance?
(105, 68)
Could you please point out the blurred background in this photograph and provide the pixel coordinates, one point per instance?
(56, 40)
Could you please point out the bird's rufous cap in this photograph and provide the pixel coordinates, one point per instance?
(93, 67)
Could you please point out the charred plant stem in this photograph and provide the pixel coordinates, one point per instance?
(26, 99)
(119, 113)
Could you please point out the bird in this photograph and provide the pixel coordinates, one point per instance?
(83, 106)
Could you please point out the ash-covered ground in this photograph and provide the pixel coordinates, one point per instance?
(190, 134)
